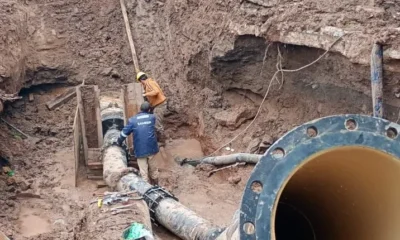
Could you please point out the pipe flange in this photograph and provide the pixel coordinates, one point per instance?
(293, 148)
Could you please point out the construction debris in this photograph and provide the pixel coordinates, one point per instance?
(110, 198)
(28, 195)
(101, 184)
(9, 97)
(61, 99)
(137, 231)
(227, 167)
(15, 128)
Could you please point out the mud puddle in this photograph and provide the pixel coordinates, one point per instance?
(31, 224)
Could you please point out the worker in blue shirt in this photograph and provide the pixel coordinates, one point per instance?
(145, 144)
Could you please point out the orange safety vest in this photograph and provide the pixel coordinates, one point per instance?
(153, 92)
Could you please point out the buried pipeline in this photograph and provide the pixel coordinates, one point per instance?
(334, 178)
(163, 207)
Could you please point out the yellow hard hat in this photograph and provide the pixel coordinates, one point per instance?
(139, 75)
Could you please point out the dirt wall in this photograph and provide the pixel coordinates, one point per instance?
(12, 47)
(204, 51)
(87, 39)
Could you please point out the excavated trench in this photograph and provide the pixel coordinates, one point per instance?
(235, 84)
(215, 74)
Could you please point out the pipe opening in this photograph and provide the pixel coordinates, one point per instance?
(342, 193)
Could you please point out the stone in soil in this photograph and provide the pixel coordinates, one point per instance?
(234, 117)
(234, 179)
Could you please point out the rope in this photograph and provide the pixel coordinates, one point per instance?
(269, 87)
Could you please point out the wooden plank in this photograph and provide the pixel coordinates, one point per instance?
(77, 144)
(101, 184)
(94, 160)
(94, 177)
(82, 123)
(95, 165)
(98, 118)
(61, 99)
(132, 99)
(95, 172)
(129, 35)
(91, 120)
(123, 96)
(94, 155)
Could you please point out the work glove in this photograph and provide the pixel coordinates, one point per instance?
(120, 140)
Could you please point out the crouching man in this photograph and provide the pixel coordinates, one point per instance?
(145, 143)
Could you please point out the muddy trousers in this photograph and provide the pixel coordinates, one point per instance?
(148, 169)
(159, 113)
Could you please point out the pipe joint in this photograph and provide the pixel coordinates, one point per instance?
(153, 196)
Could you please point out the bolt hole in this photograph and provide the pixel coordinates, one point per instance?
(351, 124)
(278, 153)
(312, 131)
(391, 133)
(256, 187)
(249, 228)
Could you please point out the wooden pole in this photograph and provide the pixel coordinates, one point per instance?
(77, 138)
(129, 34)
(377, 79)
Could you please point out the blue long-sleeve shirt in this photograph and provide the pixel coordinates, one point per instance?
(143, 128)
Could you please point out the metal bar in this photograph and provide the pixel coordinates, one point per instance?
(377, 79)
(14, 127)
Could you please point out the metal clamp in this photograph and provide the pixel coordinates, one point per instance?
(153, 197)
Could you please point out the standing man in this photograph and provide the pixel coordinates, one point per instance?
(156, 98)
(145, 143)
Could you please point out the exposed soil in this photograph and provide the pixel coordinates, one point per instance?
(31, 224)
(214, 59)
(89, 109)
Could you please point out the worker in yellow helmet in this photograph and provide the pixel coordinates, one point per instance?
(155, 96)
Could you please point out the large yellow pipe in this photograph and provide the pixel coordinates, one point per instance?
(342, 193)
(335, 178)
